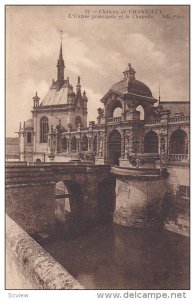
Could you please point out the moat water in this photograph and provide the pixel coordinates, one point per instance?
(115, 257)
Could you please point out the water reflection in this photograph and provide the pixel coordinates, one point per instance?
(115, 257)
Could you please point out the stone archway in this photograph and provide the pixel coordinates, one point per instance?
(151, 142)
(84, 143)
(140, 110)
(68, 205)
(178, 142)
(64, 144)
(114, 147)
(113, 107)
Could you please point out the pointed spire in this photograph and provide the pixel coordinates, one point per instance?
(85, 97)
(78, 87)
(60, 64)
(159, 94)
(36, 100)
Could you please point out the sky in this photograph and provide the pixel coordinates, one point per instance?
(98, 44)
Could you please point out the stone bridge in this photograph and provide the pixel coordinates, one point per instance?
(30, 194)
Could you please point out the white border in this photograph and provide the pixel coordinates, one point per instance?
(92, 293)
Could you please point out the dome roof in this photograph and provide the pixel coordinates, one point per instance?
(130, 85)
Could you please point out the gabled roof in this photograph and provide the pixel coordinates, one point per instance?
(55, 96)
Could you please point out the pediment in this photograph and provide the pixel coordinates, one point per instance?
(112, 94)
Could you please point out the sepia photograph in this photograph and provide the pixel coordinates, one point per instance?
(97, 148)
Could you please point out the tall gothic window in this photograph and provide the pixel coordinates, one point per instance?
(84, 143)
(178, 142)
(151, 142)
(29, 138)
(44, 128)
(64, 144)
(73, 144)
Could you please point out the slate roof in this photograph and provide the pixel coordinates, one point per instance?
(132, 86)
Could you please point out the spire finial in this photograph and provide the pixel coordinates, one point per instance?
(78, 87)
(60, 64)
(159, 94)
(61, 35)
(129, 73)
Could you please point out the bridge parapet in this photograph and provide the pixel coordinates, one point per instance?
(30, 193)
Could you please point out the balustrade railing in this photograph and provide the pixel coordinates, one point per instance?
(171, 120)
(114, 120)
(153, 122)
(179, 157)
(179, 119)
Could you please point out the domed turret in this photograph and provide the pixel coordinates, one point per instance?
(130, 85)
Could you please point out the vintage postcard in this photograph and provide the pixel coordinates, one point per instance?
(98, 149)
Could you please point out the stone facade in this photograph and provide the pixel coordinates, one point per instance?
(134, 131)
(30, 195)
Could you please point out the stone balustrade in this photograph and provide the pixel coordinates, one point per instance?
(178, 157)
(114, 120)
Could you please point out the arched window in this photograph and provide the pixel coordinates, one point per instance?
(117, 112)
(178, 142)
(44, 128)
(151, 142)
(64, 144)
(78, 121)
(29, 138)
(73, 144)
(114, 109)
(141, 111)
(114, 147)
(84, 143)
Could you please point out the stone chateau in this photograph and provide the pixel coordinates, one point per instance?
(144, 140)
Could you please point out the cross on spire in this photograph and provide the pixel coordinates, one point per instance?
(61, 35)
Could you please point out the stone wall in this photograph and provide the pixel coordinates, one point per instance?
(138, 201)
(178, 217)
(30, 194)
(32, 206)
(29, 266)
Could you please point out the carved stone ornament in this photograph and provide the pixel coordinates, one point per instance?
(136, 161)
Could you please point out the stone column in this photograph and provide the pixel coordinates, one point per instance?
(35, 131)
(123, 144)
(59, 141)
(78, 145)
(188, 149)
(68, 145)
(98, 141)
(22, 147)
(104, 146)
(34, 141)
(89, 144)
(131, 146)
